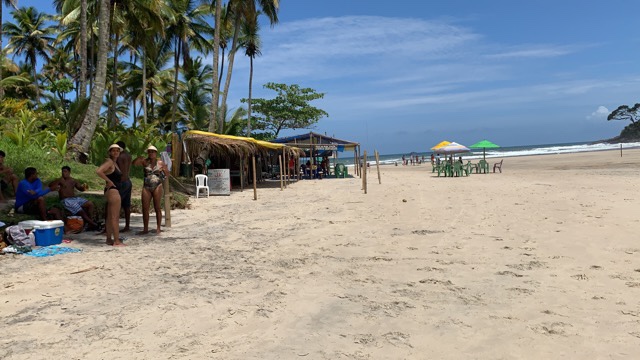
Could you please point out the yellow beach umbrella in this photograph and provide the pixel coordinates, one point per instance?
(441, 145)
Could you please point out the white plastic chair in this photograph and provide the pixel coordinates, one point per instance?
(201, 183)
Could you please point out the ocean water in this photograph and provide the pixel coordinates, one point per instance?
(509, 151)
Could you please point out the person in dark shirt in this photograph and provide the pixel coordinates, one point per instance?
(30, 195)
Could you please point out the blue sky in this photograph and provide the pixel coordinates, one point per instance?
(401, 76)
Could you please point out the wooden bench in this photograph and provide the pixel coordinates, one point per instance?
(498, 166)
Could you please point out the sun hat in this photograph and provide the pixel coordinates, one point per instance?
(115, 146)
(151, 147)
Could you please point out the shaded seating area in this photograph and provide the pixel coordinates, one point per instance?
(318, 147)
(212, 151)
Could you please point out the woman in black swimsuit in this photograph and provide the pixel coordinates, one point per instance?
(110, 172)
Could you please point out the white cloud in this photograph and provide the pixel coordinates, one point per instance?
(535, 51)
(600, 113)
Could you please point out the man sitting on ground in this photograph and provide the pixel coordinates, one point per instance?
(6, 176)
(74, 204)
(30, 195)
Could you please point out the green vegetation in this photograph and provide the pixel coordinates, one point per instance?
(49, 166)
(75, 79)
(625, 113)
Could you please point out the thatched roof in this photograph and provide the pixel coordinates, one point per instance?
(227, 145)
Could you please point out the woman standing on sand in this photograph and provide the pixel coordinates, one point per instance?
(155, 171)
(110, 172)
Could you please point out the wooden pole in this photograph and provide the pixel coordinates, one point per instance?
(241, 174)
(378, 166)
(281, 184)
(364, 172)
(620, 150)
(356, 163)
(255, 186)
(167, 202)
(285, 170)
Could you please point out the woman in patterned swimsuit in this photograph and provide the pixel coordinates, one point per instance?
(110, 172)
(155, 172)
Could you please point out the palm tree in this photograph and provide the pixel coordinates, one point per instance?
(187, 30)
(197, 95)
(242, 10)
(134, 18)
(30, 36)
(215, 89)
(250, 41)
(14, 4)
(81, 140)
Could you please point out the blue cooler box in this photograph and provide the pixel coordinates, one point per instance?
(48, 232)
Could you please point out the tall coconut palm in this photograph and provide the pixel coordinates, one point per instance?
(215, 90)
(197, 95)
(188, 30)
(14, 4)
(133, 17)
(242, 10)
(81, 140)
(250, 41)
(30, 36)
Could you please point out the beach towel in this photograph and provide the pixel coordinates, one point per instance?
(51, 251)
(74, 204)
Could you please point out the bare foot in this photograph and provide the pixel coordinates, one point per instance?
(109, 242)
(143, 232)
(126, 229)
(119, 244)
(158, 231)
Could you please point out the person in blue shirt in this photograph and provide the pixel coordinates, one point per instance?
(30, 195)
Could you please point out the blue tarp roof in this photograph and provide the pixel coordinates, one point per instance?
(318, 139)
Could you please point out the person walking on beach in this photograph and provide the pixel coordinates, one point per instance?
(111, 174)
(155, 171)
(124, 163)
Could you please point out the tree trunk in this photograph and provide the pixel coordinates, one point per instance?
(174, 104)
(249, 102)
(144, 83)
(83, 49)
(114, 84)
(81, 140)
(227, 83)
(216, 53)
(35, 81)
(93, 65)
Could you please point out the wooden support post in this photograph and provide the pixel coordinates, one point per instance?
(620, 150)
(364, 171)
(356, 164)
(241, 174)
(176, 148)
(378, 166)
(255, 186)
(167, 202)
(285, 170)
(281, 182)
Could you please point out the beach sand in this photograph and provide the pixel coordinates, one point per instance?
(541, 261)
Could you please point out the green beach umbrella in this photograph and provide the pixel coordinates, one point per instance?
(484, 144)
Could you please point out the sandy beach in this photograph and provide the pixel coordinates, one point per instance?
(539, 262)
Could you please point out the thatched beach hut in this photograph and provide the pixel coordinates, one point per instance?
(236, 153)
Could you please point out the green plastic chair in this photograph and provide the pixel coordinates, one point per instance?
(483, 166)
(340, 171)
